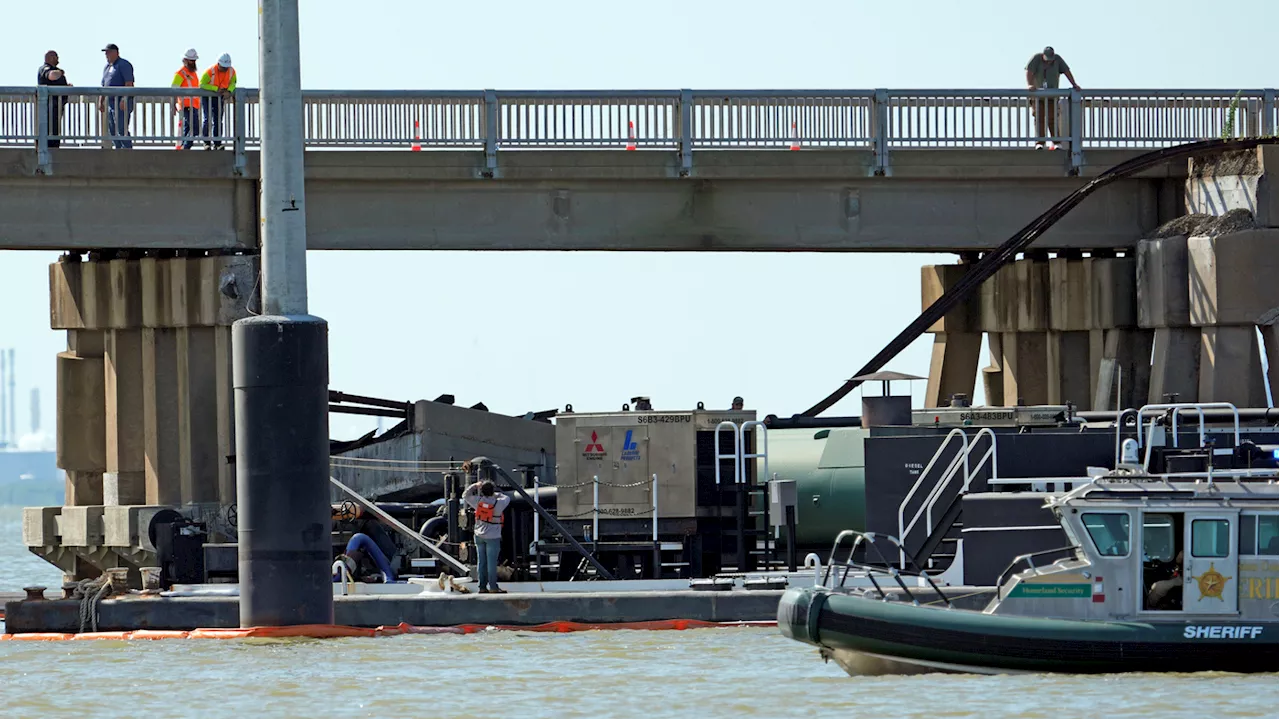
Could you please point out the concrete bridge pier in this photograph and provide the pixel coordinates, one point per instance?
(1232, 286)
(1207, 290)
(1175, 317)
(1056, 330)
(144, 401)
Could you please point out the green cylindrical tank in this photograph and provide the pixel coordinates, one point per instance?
(828, 468)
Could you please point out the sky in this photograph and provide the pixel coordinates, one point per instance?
(548, 329)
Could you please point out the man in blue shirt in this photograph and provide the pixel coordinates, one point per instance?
(118, 73)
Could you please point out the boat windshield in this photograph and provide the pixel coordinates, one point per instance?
(1109, 532)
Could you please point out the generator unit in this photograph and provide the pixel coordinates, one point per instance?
(704, 466)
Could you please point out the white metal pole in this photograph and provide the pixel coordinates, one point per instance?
(537, 519)
(595, 509)
(655, 509)
(284, 222)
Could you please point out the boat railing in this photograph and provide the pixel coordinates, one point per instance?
(1174, 409)
(1041, 484)
(1137, 428)
(887, 570)
(1028, 557)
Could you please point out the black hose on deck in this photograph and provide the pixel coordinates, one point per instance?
(991, 263)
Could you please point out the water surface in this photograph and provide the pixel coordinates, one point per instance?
(743, 672)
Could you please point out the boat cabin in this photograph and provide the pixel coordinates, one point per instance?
(1156, 548)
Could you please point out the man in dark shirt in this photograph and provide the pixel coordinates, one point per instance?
(50, 74)
(118, 73)
(1043, 70)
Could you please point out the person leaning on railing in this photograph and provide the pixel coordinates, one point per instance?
(219, 78)
(52, 75)
(1043, 70)
(117, 73)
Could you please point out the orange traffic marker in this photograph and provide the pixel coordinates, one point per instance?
(631, 135)
(795, 138)
(417, 137)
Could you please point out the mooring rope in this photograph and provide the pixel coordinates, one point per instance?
(91, 592)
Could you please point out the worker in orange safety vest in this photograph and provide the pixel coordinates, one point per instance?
(488, 505)
(219, 78)
(187, 106)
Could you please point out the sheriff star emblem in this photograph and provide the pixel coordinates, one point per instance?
(1211, 583)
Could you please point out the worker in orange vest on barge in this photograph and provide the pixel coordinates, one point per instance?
(489, 505)
(188, 107)
(219, 78)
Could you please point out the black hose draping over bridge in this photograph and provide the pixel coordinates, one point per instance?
(991, 263)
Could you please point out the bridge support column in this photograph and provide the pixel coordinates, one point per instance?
(1206, 295)
(1013, 305)
(160, 416)
(1124, 363)
(281, 372)
(1026, 364)
(144, 389)
(198, 414)
(1163, 307)
(993, 374)
(124, 482)
(1058, 330)
(1071, 308)
(1069, 375)
(1271, 343)
(1232, 280)
(956, 345)
(951, 370)
(81, 433)
(1230, 367)
(81, 430)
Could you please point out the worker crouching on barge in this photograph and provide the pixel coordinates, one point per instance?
(489, 504)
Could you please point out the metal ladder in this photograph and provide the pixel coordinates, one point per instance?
(959, 464)
(743, 493)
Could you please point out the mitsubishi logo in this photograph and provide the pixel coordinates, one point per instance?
(594, 450)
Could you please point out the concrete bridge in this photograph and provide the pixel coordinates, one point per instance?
(875, 170)
(145, 418)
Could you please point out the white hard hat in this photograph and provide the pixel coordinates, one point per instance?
(190, 55)
(224, 61)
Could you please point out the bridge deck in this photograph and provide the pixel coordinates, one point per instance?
(737, 200)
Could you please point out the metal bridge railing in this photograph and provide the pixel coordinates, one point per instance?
(674, 120)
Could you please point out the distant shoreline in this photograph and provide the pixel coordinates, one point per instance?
(32, 493)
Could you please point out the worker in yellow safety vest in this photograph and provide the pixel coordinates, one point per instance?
(219, 78)
(187, 106)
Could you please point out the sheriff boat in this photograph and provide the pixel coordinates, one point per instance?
(1165, 573)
